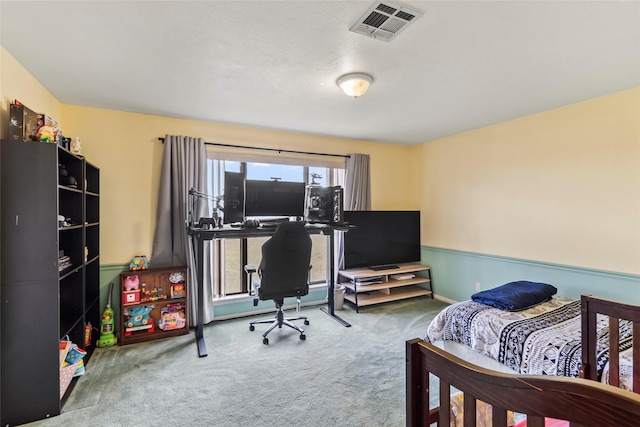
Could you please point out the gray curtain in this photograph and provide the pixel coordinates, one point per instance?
(357, 183)
(357, 193)
(183, 168)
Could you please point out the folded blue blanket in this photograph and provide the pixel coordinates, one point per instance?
(515, 295)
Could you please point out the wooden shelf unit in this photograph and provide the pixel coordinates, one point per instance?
(154, 278)
(389, 289)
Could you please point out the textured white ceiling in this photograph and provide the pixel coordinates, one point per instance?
(273, 64)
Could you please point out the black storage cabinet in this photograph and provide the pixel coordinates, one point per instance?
(40, 304)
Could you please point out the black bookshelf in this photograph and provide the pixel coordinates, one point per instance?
(41, 303)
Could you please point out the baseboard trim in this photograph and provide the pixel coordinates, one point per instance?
(444, 299)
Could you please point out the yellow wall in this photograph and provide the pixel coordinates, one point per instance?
(125, 147)
(562, 186)
(16, 83)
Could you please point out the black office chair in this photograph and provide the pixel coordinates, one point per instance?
(284, 272)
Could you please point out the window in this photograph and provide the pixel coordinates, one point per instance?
(229, 256)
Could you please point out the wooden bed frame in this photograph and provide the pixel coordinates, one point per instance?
(581, 401)
(616, 311)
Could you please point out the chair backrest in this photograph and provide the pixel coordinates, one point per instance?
(286, 259)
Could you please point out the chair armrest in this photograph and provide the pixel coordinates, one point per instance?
(252, 288)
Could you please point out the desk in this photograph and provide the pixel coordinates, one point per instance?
(200, 235)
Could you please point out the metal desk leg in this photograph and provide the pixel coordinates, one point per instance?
(202, 349)
(331, 280)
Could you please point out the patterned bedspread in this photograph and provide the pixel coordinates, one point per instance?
(542, 340)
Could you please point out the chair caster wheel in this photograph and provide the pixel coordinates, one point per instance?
(265, 341)
(306, 322)
(303, 337)
(252, 328)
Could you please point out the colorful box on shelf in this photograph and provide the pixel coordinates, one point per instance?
(172, 317)
(74, 355)
(23, 122)
(130, 297)
(178, 291)
(65, 346)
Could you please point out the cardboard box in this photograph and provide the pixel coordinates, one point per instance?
(23, 123)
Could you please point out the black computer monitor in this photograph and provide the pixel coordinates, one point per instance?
(274, 198)
(233, 198)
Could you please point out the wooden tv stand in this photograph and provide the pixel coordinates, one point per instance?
(387, 289)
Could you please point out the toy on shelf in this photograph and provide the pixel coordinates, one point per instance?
(139, 262)
(131, 290)
(75, 147)
(74, 355)
(131, 283)
(178, 289)
(88, 332)
(177, 277)
(47, 133)
(137, 318)
(172, 317)
(148, 293)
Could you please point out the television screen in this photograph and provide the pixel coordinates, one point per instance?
(381, 239)
(233, 198)
(274, 198)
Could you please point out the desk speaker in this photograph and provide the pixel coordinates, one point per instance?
(324, 204)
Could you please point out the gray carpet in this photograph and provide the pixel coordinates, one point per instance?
(338, 376)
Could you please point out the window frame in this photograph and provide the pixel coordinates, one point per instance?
(218, 254)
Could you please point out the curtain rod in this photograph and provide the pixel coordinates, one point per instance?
(272, 149)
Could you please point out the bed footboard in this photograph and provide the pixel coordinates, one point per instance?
(591, 307)
(580, 401)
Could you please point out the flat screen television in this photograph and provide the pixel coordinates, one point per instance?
(381, 239)
(273, 198)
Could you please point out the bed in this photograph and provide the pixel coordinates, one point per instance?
(546, 339)
(431, 370)
(609, 332)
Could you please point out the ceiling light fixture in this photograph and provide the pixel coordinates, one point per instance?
(355, 84)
